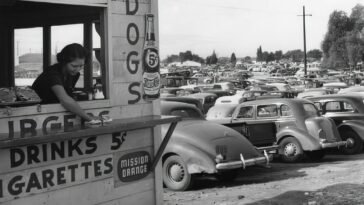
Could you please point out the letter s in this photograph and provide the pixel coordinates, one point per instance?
(134, 92)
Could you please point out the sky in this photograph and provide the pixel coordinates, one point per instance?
(241, 26)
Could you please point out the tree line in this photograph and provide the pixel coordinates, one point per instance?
(293, 55)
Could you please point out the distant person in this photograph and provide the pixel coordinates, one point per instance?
(57, 82)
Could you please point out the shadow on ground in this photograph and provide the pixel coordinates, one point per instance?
(340, 194)
(278, 171)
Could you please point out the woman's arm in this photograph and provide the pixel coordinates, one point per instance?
(69, 103)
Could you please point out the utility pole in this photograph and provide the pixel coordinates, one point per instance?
(304, 38)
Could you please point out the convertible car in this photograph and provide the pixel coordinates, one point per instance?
(198, 146)
(295, 125)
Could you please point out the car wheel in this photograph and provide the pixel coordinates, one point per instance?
(290, 150)
(227, 176)
(355, 145)
(316, 155)
(175, 174)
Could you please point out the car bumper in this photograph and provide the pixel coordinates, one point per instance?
(243, 163)
(325, 145)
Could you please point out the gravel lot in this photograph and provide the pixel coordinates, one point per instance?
(337, 179)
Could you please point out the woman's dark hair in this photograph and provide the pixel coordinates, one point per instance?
(71, 52)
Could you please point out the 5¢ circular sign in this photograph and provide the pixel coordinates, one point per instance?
(151, 58)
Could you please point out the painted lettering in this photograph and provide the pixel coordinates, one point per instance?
(54, 126)
(68, 124)
(47, 176)
(133, 62)
(129, 11)
(132, 26)
(25, 130)
(134, 92)
(17, 157)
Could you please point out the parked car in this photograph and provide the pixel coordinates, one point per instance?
(295, 125)
(219, 93)
(348, 113)
(313, 92)
(198, 146)
(186, 99)
(207, 100)
(335, 86)
(352, 89)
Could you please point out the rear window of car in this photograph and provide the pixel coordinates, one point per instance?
(338, 106)
(267, 111)
(310, 109)
(286, 111)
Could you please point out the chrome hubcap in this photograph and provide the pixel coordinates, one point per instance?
(350, 142)
(290, 149)
(176, 172)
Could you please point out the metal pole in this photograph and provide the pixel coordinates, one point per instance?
(304, 41)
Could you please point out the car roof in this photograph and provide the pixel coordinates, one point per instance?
(338, 97)
(166, 106)
(204, 94)
(288, 101)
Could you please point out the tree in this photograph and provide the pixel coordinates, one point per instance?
(247, 59)
(233, 59)
(294, 55)
(185, 56)
(259, 54)
(333, 45)
(213, 58)
(316, 54)
(278, 55)
(354, 48)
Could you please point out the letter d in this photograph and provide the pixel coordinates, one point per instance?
(14, 162)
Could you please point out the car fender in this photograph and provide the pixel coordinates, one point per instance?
(197, 160)
(308, 142)
(355, 125)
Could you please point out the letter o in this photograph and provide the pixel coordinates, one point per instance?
(132, 41)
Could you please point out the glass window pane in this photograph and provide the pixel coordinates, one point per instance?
(333, 106)
(267, 111)
(246, 112)
(286, 111)
(28, 55)
(63, 35)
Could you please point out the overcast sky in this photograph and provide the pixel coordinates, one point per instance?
(241, 26)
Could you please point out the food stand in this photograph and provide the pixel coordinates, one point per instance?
(49, 155)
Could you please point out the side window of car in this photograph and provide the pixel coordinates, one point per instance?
(332, 106)
(286, 110)
(318, 105)
(267, 111)
(348, 107)
(246, 112)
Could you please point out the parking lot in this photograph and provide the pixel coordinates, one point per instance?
(337, 179)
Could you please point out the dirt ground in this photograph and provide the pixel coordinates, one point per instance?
(337, 179)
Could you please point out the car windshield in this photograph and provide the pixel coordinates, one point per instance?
(186, 113)
(310, 109)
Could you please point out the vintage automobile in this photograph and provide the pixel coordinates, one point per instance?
(198, 146)
(348, 113)
(313, 92)
(295, 125)
(207, 100)
(186, 99)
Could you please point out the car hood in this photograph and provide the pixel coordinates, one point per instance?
(213, 139)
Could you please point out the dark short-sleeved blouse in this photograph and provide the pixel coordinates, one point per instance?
(53, 75)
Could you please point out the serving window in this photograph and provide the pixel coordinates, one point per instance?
(31, 34)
